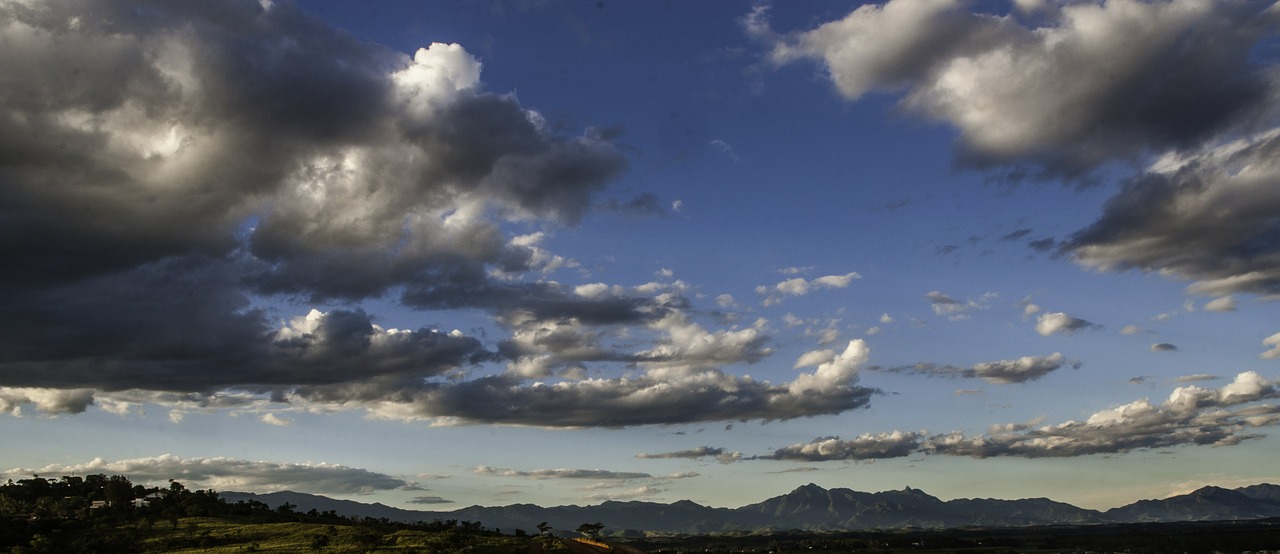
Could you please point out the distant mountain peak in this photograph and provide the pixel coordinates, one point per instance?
(811, 507)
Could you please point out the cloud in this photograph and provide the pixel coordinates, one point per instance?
(48, 401)
(227, 474)
(1190, 416)
(1163, 347)
(1061, 323)
(1222, 304)
(1021, 370)
(1274, 342)
(235, 154)
(1133, 330)
(720, 454)
(1002, 372)
(1197, 377)
(273, 419)
(799, 286)
(429, 500)
(1095, 82)
(631, 494)
(955, 310)
(1207, 216)
(867, 446)
(560, 473)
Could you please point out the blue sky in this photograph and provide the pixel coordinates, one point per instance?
(444, 254)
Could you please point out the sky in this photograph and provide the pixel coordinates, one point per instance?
(440, 254)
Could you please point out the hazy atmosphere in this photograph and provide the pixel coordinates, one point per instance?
(438, 254)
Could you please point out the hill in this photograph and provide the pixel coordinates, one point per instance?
(813, 508)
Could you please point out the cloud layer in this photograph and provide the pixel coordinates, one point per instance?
(1086, 84)
(1190, 416)
(172, 175)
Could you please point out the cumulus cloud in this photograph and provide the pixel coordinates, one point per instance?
(1191, 415)
(1207, 216)
(45, 400)
(1274, 342)
(720, 454)
(242, 150)
(1094, 82)
(1061, 323)
(867, 446)
(228, 474)
(273, 419)
(241, 153)
(1026, 368)
(799, 286)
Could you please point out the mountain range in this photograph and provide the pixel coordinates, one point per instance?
(813, 508)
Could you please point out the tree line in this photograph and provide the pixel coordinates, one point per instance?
(100, 513)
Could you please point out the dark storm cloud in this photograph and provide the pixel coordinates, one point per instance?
(160, 162)
(1096, 82)
(182, 330)
(1210, 217)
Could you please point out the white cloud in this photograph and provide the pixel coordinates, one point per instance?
(1066, 96)
(273, 419)
(1274, 342)
(799, 286)
(867, 446)
(1222, 304)
(815, 357)
(1133, 330)
(1061, 323)
(45, 400)
(1023, 369)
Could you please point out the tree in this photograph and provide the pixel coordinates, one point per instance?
(591, 530)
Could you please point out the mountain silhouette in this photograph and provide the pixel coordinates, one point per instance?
(813, 508)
